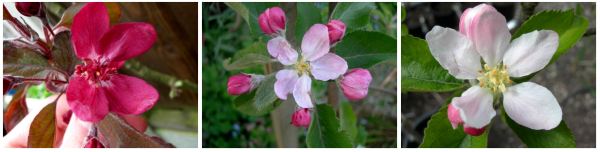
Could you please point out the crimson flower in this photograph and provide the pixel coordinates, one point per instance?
(96, 88)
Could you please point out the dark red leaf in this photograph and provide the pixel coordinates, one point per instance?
(114, 132)
(16, 110)
(63, 56)
(41, 131)
(23, 60)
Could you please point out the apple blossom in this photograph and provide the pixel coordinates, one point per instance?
(301, 118)
(314, 60)
(272, 21)
(355, 84)
(96, 88)
(336, 30)
(484, 34)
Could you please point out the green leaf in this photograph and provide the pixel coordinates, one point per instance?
(259, 102)
(403, 11)
(21, 60)
(251, 56)
(420, 71)
(404, 30)
(348, 121)
(354, 15)
(364, 48)
(560, 136)
(240, 9)
(325, 130)
(439, 134)
(569, 26)
(41, 131)
(308, 15)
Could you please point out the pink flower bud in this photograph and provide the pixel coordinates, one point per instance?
(272, 21)
(239, 84)
(301, 118)
(336, 30)
(30, 8)
(92, 142)
(454, 116)
(355, 84)
(474, 131)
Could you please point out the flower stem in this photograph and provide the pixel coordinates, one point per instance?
(142, 71)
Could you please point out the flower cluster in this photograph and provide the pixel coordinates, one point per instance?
(314, 59)
(484, 34)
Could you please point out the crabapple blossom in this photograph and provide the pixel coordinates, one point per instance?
(336, 30)
(484, 34)
(96, 88)
(272, 21)
(301, 118)
(355, 84)
(314, 60)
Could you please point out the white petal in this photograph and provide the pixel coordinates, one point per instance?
(281, 49)
(530, 52)
(329, 66)
(302, 92)
(475, 106)
(315, 42)
(285, 82)
(532, 106)
(489, 33)
(454, 52)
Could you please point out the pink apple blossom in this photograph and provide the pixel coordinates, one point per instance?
(301, 118)
(336, 31)
(484, 34)
(272, 21)
(355, 84)
(314, 60)
(96, 88)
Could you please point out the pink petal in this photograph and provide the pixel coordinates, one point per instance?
(454, 51)
(286, 80)
(532, 106)
(280, 49)
(487, 29)
(239, 84)
(263, 23)
(301, 118)
(301, 92)
(88, 26)
(329, 66)
(127, 40)
(355, 84)
(130, 95)
(530, 52)
(454, 116)
(88, 102)
(315, 42)
(475, 106)
(473, 131)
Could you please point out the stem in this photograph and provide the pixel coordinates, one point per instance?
(42, 80)
(138, 69)
(332, 91)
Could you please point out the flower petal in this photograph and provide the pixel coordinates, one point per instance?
(315, 42)
(286, 80)
(329, 66)
(130, 95)
(89, 24)
(281, 49)
(302, 92)
(532, 106)
(530, 52)
(475, 107)
(488, 31)
(87, 102)
(127, 40)
(454, 52)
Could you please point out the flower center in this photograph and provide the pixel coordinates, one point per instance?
(494, 78)
(94, 71)
(302, 67)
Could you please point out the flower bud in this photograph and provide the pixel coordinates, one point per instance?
(272, 21)
(355, 84)
(454, 116)
(92, 142)
(301, 118)
(239, 84)
(336, 30)
(30, 8)
(474, 131)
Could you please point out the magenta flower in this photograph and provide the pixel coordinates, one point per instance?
(239, 84)
(96, 88)
(301, 118)
(272, 21)
(336, 30)
(355, 84)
